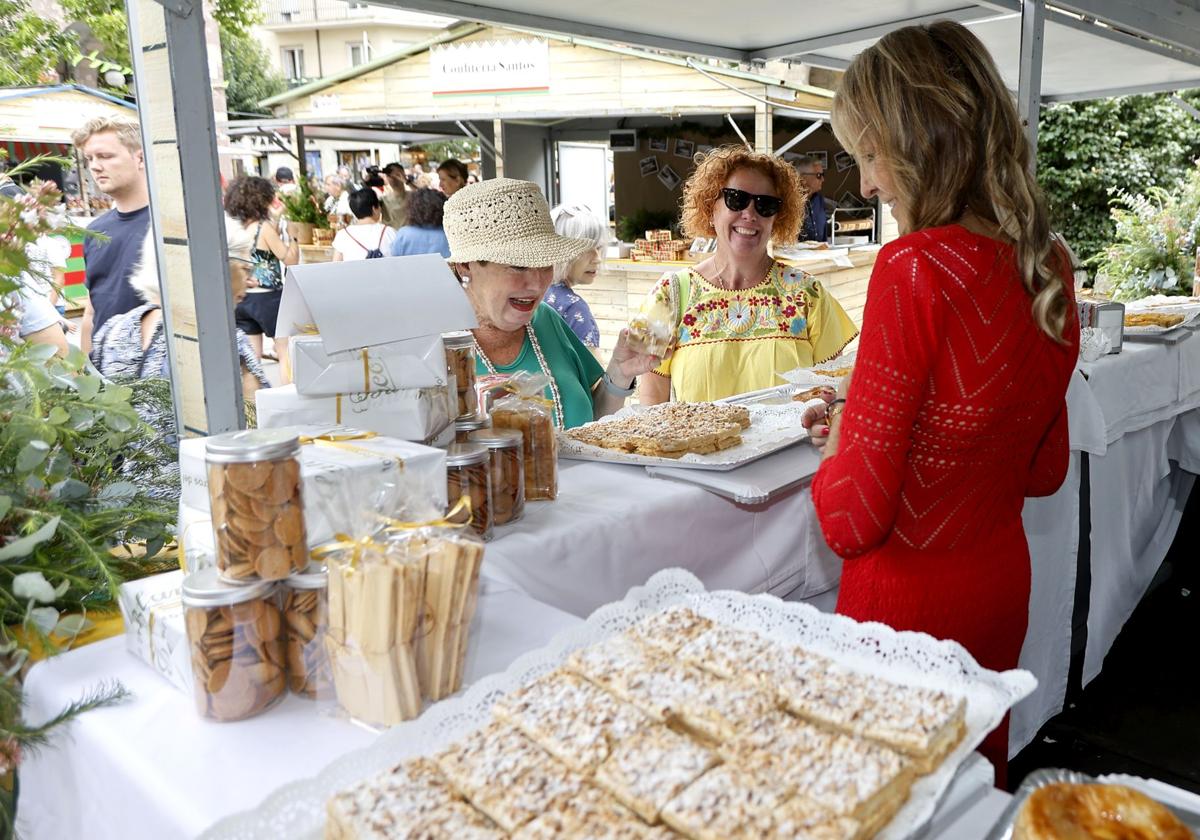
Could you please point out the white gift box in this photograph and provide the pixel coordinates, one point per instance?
(412, 363)
(417, 414)
(154, 629)
(343, 482)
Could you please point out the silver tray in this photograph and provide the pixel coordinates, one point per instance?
(1003, 828)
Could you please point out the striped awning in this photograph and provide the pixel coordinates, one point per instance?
(19, 150)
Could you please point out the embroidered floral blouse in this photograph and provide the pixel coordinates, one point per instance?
(575, 311)
(730, 342)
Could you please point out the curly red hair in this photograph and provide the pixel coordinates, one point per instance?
(703, 190)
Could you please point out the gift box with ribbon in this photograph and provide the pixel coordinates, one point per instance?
(417, 414)
(412, 363)
(154, 627)
(343, 473)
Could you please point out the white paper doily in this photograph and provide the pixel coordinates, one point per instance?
(297, 810)
(772, 428)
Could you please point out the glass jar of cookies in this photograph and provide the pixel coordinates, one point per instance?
(468, 474)
(464, 426)
(257, 512)
(460, 361)
(305, 600)
(506, 458)
(235, 637)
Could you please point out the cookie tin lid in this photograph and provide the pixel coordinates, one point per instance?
(205, 588)
(471, 422)
(314, 576)
(251, 445)
(465, 454)
(498, 438)
(459, 340)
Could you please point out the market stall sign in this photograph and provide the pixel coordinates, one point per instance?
(510, 65)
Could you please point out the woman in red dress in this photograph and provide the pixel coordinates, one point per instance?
(956, 411)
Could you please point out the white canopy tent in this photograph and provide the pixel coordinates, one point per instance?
(1073, 49)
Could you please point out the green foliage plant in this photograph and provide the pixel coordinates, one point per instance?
(303, 206)
(635, 225)
(80, 509)
(249, 76)
(1153, 251)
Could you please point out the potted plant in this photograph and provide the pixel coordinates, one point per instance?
(87, 497)
(303, 211)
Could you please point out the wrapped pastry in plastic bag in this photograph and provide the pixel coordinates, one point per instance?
(527, 410)
(651, 330)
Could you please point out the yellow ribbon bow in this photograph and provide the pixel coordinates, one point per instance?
(462, 506)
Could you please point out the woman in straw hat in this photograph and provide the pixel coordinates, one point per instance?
(503, 247)
(957, 407)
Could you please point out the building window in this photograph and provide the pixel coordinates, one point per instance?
(359, 52)
(355, 4)
(293, 63)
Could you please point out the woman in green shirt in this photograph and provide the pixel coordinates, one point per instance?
(504, 248)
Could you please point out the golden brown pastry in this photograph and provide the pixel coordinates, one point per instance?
(1095, 812)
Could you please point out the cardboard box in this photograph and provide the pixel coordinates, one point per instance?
(154, 629)
(411, 363)
(342, 481)
(409, 414)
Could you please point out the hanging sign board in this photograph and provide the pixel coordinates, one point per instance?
(509, 65)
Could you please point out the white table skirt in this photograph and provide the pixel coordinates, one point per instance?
(152, 768)
(613, 526)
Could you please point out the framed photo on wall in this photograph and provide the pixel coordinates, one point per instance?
(684, 148)
(669, 177)
(649, 165)
(657, 144)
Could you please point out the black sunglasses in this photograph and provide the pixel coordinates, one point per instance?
(738, 200)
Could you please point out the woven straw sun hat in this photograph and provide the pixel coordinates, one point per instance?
(506, 221)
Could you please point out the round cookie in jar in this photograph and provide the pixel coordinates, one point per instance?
(507, 466)
(257, 510)
(468, 474)
(235, 640)
(464, 426)
(460, 361)
(305, 601)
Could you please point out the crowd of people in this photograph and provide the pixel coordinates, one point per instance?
(954, 412)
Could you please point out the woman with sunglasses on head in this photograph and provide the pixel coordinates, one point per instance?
(503, 247)
(956, 411)
(739, 317)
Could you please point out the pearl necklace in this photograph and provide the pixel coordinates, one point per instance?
(545, 368)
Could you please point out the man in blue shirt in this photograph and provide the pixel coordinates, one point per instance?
(112, 149)
(819, 209)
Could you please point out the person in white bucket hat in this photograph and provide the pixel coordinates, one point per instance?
(503, 247)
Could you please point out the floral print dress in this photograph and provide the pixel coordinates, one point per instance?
(575, 311)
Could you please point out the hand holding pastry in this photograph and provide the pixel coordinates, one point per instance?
(816, 421)
(631, 363)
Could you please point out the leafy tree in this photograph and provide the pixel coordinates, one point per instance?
(31, 45)
(248, 72)
(236, 16)
(108, 23)
(1089, 150)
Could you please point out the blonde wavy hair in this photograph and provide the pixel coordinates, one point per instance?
(703, 190)
(127, 131)
(929, 102)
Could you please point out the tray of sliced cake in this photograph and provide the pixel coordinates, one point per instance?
(704, 436)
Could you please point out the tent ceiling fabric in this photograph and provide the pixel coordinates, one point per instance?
(1081, 59)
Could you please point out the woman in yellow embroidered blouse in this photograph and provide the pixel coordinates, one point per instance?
(739, 318)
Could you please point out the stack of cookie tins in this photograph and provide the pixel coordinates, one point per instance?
(237, 633)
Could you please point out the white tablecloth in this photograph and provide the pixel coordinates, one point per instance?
(1136, 416)
(613, 526)
(151, 768)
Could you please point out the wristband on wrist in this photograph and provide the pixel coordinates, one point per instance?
(835, 408)
(616, 390)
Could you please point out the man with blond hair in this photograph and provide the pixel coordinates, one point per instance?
(112, 149)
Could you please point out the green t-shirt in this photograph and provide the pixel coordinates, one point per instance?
(574, 368)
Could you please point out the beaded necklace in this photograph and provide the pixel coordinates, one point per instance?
(545, 368)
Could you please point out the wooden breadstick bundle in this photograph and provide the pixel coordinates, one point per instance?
(451, 594)
(376, 593)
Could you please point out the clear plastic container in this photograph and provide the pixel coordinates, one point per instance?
(468, 474)
(535, 422)
(235, 636)
(305, 599)
(507, 464)
(460, 361)
(257, 510)
(465, 426)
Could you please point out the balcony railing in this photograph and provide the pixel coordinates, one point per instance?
(279, 12)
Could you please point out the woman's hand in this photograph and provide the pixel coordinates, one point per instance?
(814, 419)
(630, 364)
(843, 389)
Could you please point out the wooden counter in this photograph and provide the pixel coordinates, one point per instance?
(622, 285)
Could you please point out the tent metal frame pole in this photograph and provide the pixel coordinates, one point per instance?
(1029, 89)
(789, 144)
(196, 136)
(738, 131)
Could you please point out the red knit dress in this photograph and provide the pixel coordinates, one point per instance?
(956, 412)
